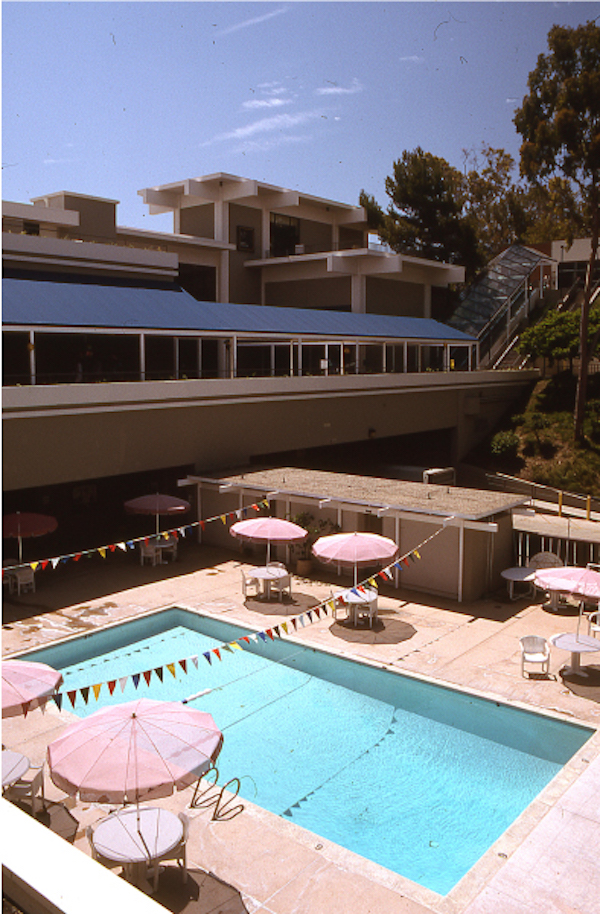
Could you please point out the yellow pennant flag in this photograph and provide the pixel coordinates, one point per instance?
(236, 646)
(102, 551)
(416, 553)
(223, 518)
(171, 669)
(96, 689)
(34, 565)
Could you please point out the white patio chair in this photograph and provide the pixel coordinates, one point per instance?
(21, 580)
(594, 624)
(249, 583)
(96, 855)
(535, 649)
(283, 584)
(149, 552)
(29, 787)
(178, 853)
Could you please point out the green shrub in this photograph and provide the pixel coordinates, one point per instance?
(505, 444)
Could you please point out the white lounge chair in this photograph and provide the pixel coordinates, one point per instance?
(20, 580)
(535, 649)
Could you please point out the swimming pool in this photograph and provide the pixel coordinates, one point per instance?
(419, 778)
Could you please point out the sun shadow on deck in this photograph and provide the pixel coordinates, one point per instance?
(387, 629)
(203, 893)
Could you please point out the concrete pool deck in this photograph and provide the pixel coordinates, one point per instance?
(547, 860)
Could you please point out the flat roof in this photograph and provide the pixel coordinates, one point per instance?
(427, 499)
(31, 302)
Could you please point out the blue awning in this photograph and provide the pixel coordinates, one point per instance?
(77, 306)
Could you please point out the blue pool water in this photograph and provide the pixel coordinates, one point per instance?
(420, 778)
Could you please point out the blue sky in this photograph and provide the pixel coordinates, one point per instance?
(107, 98)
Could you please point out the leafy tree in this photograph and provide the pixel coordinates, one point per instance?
(556, 336)
(426, 214)
(496, 204)
(559, 121)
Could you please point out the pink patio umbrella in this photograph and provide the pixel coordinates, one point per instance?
(268, 530)
(157, 505)
(22, 525)
(26, 685)
(580, 582)
(355, 550)
(136, 751)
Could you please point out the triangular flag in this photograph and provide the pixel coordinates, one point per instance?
(262, 636)
(58, 700)
(276, 630)
(227, 647)
(25, 707)
(111, 686)
(183, 665)
(123, 682)
(55, 562)
(96, 689)
(102, 551)
(417, 554)
(236, 646)
(217, 652)
(318, 612)
(34, 565)
(171, 669)
(284, 627)
(72, 695)
(85, 693)
(122, 546)
(194, 659)
(295, 624)
(245, 638)
(270, 634)
(208, 657)
(148, 676)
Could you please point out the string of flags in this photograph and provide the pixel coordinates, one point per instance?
(124, 545)
(219, 653)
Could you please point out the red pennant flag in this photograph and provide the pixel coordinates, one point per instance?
(245, 638)
(202, 525)
(111, 685)
(112, 547)
(217, 652)
(25, 707)
(318, 612)
(147, 676)
(183, 665)
(72, 695)
(270, 634)
(77, 556)
(45, 564)
(295, 624)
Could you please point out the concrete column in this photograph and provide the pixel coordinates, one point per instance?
(221, 210)
(427, 300)
(223, 277)
(142, 357)
(358, 293)
(265, 233)
(31, 347)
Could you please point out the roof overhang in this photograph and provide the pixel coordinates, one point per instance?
(226, 188)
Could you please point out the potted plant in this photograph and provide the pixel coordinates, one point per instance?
(302, 552)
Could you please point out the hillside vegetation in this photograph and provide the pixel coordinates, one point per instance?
(536, 442)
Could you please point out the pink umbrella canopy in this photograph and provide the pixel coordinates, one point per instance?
(22, 525)
(136, 751)
(268, 530)
(581, 582)
(355, 549)
(157, 505)
(26, 685)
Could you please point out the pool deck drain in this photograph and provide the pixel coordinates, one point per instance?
(547, 860)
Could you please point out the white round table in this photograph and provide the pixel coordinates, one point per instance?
(359, 601)
(135, 836)
(267, 574)
(14, 766)
(577, 645)
(518, 575)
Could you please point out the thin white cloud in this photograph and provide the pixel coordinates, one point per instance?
(266, 125)
(266, 103)
(248, 23)
(414, 58)
(271, 143)
(334, 89)
(58, 161)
